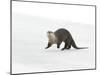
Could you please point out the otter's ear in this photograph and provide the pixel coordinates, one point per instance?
(49, 32)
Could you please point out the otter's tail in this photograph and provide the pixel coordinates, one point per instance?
(74, 45)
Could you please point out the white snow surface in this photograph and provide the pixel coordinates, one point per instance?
(29, 40)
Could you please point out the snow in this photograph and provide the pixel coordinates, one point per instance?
(30, 23)
(29, 40)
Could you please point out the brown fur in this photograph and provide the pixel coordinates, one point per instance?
(59, 36)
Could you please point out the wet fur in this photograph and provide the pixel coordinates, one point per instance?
(59, 36)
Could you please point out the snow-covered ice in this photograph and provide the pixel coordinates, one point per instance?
(29, 40)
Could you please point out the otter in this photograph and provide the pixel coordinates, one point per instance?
(59, 36)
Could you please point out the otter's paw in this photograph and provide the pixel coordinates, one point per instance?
(58, 47)
(62, 49)
(46, 47)
(67, 48)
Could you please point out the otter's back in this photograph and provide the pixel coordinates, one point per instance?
(62, 34)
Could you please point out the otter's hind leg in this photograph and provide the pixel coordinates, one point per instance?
(68, 47)
(69, 44)
(49, 45)
(66, 44)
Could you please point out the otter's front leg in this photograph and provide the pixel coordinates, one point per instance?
(49, 45)
(58, 45)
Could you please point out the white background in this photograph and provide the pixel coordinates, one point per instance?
(74, 13)
(5, 31)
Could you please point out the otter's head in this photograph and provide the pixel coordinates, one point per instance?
(51, 36)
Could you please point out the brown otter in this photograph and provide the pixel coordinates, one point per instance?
(59, 36)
